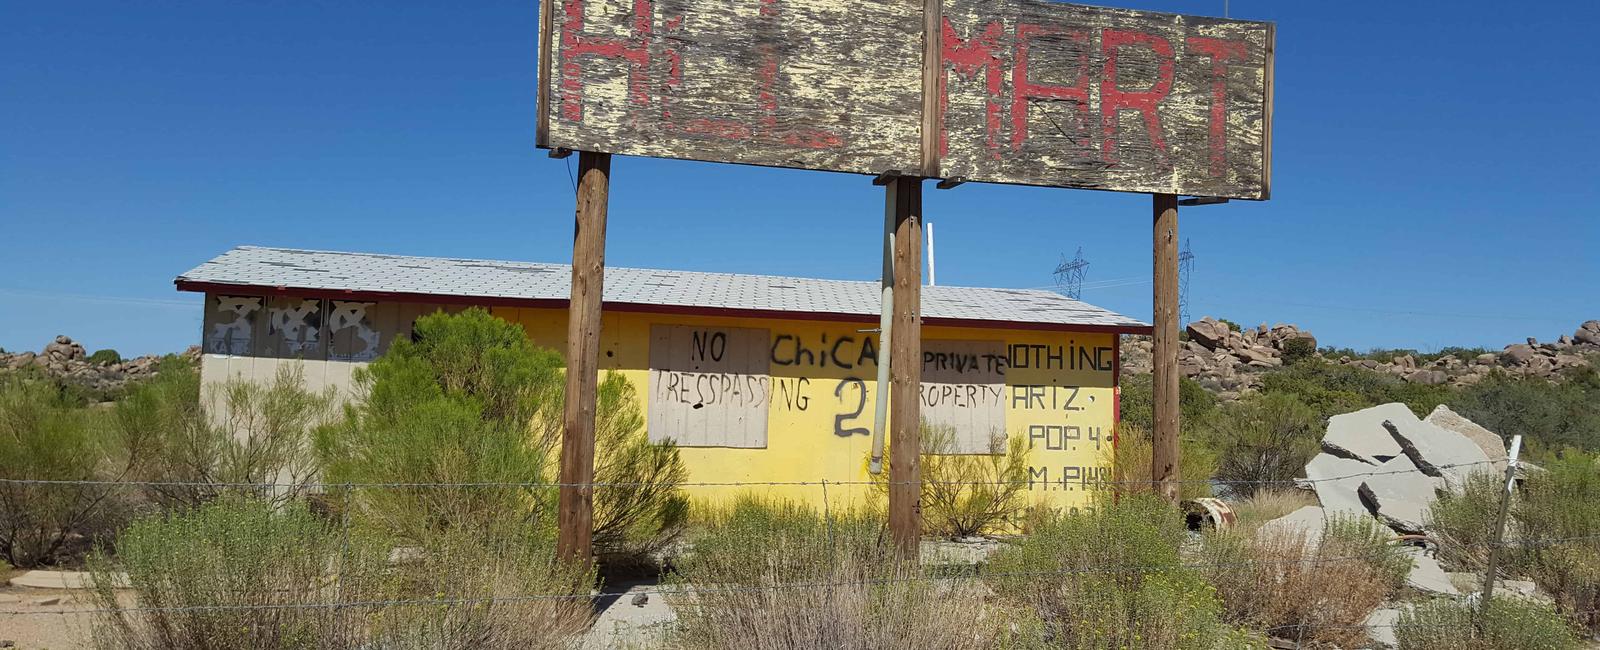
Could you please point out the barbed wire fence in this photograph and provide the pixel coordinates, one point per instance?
(947, 573)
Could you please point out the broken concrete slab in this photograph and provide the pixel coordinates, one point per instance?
(1380, 626)
(1360, 435)
(1426, 574)
(1336, 481)
(1399, 495)
(1308, 521)
(1438, 451)
(1493, 446)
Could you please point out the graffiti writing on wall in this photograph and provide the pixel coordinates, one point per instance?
(709, 386)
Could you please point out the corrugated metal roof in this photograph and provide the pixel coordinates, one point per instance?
(293, 269)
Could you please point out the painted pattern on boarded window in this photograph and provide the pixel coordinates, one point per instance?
(709, 386)
(963, 394)
(231, 324)
(294, 329)
(352, 331)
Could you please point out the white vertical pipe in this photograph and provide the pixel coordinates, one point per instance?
(880, 417)
(931, 277)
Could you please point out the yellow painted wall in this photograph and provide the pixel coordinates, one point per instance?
(1069, 443)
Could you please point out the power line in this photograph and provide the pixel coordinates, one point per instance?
(1185, 269)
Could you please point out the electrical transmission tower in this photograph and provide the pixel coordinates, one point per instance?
(1069, 275)
(1185, 269)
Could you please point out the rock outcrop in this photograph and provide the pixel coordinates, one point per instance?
(66, 360)
(1230, 362)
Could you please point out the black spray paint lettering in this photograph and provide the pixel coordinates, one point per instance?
(1058, 437)
(1061, 357)
(960, 395)
(843, 352)
(1071, 478)
(964, 363)
(702, 389)
(714, 342)
(861, 405)
(1047, 398)
(792, 393)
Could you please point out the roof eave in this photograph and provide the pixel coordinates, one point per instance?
(184, 284)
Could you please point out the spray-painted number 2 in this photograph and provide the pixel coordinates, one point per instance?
(861, 405)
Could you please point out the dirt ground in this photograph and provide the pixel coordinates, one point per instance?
(26, 619)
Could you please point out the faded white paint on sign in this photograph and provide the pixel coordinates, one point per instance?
(709, 386)
(963, 394)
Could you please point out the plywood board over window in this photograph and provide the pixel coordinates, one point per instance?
(231, 324)
(709, 386)
(963, 395)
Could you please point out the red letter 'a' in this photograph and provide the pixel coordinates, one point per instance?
(1024, 91)
(636, 52)
(967, 57)
(1221, 52)
(1113, 99)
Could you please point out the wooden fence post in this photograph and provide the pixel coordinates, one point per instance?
(575, 514)
(1164, 456)
(905, 369)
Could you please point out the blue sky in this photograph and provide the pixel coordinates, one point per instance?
(1435, 174)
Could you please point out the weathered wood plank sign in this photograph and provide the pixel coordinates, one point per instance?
(816, 84)
(1029, 91)
(1045, 93)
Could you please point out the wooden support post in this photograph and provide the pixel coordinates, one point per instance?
(1164, 457)
(905, 369)
(575, 514)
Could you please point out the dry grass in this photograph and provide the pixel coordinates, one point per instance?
(1303, 588)
(1267, 505)
(858, 597)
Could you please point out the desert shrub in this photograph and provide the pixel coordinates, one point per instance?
(106, 357)
(1231, 325)
(1296, 350)
(1331, 389)
(1137, 402)
(1557, 521)
(968, 494)
(1317, 588)
(1130, 463)
(1262, 438)
(239, 573)
(1463, 519)
(229, 556)
(1111, 576)
(192, 448)
(46, 435)
(1553, 414)
(472, 410)
(1508, 624)
(767, 574)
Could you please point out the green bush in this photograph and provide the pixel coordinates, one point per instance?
(46, 435)
(1262, 438)
(1331, 389)
(1137, 405)
(968, 494)
(1130, 460)
(1509, 624)
(1552, 414)
(1298, 349)
(106, 357)
(192, 448)
(472, 401)
(247, 574)
(1111, 577)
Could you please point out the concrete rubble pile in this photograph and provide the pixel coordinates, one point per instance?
(1385, 463)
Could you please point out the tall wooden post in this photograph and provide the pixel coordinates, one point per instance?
(1164, 457)
(905, 369)
(575, 515)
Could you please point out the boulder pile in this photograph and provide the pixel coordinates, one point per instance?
(1230, 362)
(1386, 464)
(66, 360)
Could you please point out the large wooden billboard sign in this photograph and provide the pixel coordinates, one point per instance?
(1024, 91)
